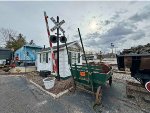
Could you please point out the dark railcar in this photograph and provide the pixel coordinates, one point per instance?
(6, 54)
(139, 65)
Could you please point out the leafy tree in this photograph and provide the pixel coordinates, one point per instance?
(15, 43)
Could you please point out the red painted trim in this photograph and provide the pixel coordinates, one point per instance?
(50, 43)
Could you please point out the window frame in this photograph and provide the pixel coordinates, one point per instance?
(44, 58)
(40, 58)
(79, 61)
(47, 57)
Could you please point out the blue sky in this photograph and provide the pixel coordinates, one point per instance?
(125, 24)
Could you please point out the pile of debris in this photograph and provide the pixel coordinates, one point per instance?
(145, 49)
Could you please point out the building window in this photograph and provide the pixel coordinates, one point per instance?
(40, 58)
(78, 57)
(75, 58)
(27, 53)
(46, 57)
(69, 58)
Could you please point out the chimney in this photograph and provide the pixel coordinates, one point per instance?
(44, 47)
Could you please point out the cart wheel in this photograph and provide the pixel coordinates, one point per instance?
(98, 96)
(110, 81)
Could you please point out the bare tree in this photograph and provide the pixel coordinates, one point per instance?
(6, 35)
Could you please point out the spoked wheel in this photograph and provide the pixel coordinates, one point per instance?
(110, 81)
(98, 96)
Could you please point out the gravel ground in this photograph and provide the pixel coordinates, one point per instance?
(123, 76)
(59, 86)
(19, 96)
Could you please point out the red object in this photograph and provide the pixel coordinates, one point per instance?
(82, 74)
(13, 65)
(55, 66)
(147, 86)
(16, 58)
(51, 46)
(105, 68)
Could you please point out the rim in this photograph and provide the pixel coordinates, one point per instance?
(147, 86)
(98, 95)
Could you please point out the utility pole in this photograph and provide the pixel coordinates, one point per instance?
(58, 50)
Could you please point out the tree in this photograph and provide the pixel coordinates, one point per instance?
(5, 35)
(15, 43)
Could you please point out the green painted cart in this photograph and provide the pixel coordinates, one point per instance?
(91, 78)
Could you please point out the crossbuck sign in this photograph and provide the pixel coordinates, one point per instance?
(57, 25)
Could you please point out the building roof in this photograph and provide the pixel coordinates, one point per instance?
(32, 45)
(4, 49)
(62, 46)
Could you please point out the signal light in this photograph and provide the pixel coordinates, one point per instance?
(63, 39)
(53, 38)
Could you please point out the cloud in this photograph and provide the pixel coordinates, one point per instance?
(93, 35)
(133, 2)
(137, 35)
(118, 14)
(107, 22)
(121, 32)
(142, 15)
(76, 35)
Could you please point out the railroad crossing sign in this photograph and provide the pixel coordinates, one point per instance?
(57, 25)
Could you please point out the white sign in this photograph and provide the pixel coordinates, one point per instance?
(57, 25)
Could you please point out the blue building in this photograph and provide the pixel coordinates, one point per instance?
(27, 52)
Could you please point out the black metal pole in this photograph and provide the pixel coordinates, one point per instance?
(67, 50)
(86, 60)
(58, 76)
(82, 47)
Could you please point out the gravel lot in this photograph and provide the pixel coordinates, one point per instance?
(123, 76)
(19, 96)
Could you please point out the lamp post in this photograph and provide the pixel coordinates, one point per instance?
(112, 46)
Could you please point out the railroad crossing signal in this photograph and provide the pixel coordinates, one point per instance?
(57, 25)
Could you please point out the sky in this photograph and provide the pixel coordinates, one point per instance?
(125, 24)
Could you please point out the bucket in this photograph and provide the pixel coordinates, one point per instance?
(49, 82)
